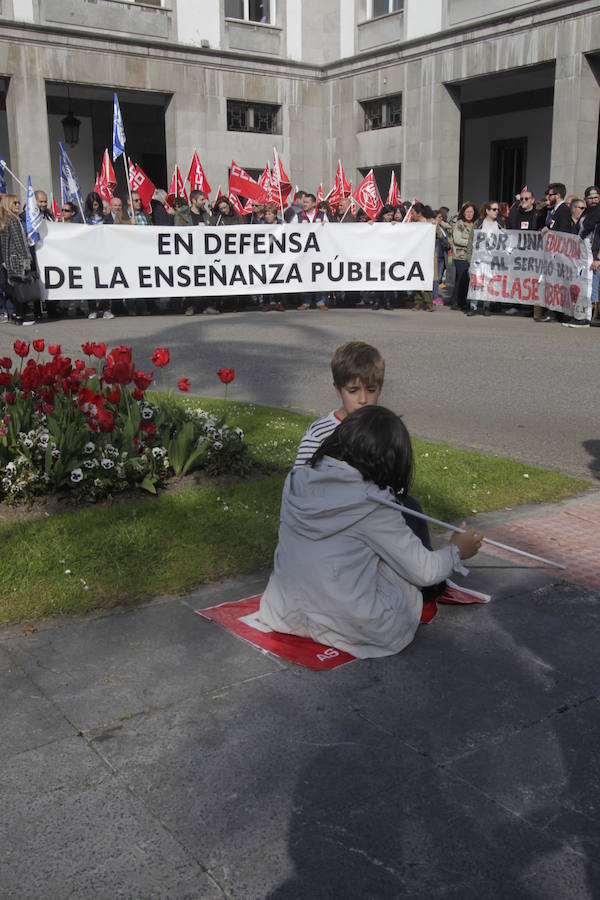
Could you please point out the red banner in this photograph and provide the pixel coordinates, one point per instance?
(241, 183)
(241, 618)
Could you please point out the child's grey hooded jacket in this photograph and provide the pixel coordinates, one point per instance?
(348, 569)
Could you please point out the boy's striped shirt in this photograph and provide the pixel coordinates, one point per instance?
(314, 436)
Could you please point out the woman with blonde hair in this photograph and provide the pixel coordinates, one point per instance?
(18, 269)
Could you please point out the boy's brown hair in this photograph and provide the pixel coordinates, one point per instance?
(356, 359)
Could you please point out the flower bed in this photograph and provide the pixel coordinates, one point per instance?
(88, 426)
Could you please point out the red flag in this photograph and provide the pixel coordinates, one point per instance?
(241, 183)
(367, 196)
(280, 179)
(393, 196)
(319, 197)
(333, 198)
(266, 182)
(177, 188)
(341, 182)
(107, 173)
(196, 177)
(219, 194)
(141, 184)
(55, 209)
(408, 217)
(235, 202)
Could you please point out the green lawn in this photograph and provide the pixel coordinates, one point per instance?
(130, 551)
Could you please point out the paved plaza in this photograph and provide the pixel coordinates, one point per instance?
(147, 753)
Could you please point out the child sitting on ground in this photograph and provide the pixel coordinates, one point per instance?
(348, 568)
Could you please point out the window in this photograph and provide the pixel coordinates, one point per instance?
(259, 117)
(262, 11)
(376, 8)
(383, 113)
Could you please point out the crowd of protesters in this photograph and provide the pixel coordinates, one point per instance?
(22, 304)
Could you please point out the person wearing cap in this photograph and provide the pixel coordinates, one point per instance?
(590, 230)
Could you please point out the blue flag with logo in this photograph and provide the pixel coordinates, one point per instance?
(68, 179)
(3, 188)
(33, 216)
(118, 130)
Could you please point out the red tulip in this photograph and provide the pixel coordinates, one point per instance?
(161, 357)
(79, 365)
(148, 427)
(114, 396)
(119, 368)
(137, 394)
(6, 362)
(10, 398)
(226, 375)
(184, 385)
(5, 379)
(142, 381)
(99, 350)
(87, 348)
(21, 348)
(105, 420)
(38, 345)
(54, 349)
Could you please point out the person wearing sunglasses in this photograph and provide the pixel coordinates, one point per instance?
(488, 222)
(523, 215)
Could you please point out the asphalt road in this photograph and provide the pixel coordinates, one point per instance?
(501, 385)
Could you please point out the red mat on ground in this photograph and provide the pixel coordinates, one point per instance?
(241, 617)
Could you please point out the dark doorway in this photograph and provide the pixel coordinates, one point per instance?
(508, 164)
(382, 175)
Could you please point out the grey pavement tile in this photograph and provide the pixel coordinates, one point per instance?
(224, 774)
(466, 679)
(548, 775)
(28, 718)
(101, 669)
(70, 828)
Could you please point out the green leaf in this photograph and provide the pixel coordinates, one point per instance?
(148, 484)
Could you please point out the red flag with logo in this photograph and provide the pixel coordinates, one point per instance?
(280, 178)
(241, 183)
(266, 181)
(235, 202)
(196, 177)
(393, 196)
(177, 187)
(367, 196)
(141, 184)
(341, 182)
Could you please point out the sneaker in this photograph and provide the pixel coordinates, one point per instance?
(189, 311)
(108, 314)
(577, 323)
(542, 319)
(211, 311)
(471, 312)
(28, 322)
(323, 308)
(280, 307)
(511, 311)
(304, 307)
(92, 315)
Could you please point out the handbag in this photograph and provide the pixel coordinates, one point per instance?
(25, 291)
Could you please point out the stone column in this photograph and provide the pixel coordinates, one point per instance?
(574, 123)
(27, 118)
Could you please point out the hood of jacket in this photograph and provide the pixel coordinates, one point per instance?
(320, 502)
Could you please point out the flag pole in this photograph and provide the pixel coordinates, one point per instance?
(457, 530)
(12, 174)
(80, 209)
(279, 182)
(127, 163)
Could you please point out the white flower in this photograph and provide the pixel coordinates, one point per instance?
(21, 460)
(89, 447)
(97, 482)
(107, 463)
(10, 469)
(147, 412)
(110, 450)
(43, 440)
(525, 475)
(67, 571)
(55, 453)
(239, 433)
(76, 475)
(31, 434)
(218, 445)
(89, 463)
(22, 435)
(158, 452)
(28, 442)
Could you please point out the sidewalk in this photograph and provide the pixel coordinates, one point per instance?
(148, 753)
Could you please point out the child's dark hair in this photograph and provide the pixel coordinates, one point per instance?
(375, 441)
(356, 359)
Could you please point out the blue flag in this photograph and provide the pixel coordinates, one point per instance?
(3, 188)
(33, 216)
(68, 179)
(118, 130)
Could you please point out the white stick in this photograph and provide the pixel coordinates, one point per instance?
(418, 515)
(12, 174)
(125, 163)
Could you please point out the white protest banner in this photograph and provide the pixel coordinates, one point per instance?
(551, 269)
(120, 261)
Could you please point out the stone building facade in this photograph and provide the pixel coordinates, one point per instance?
(460, 103)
